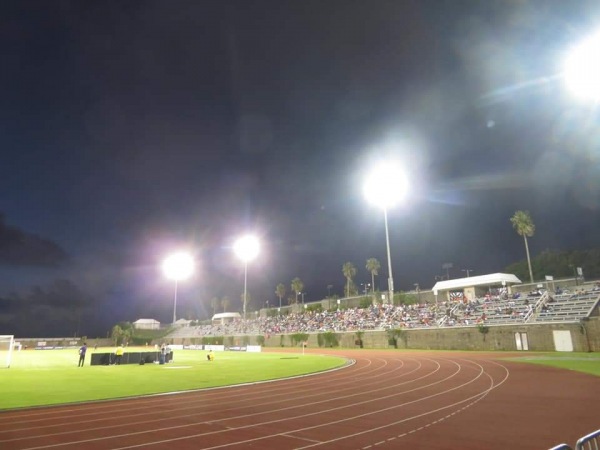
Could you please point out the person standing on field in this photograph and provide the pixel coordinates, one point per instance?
(82, 351)
(119, 355)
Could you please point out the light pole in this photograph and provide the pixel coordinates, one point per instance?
(385, 187)
(468, 271)
(418, 289)
(177, 267)
(366, 287)
(447, 267)
(246, 248)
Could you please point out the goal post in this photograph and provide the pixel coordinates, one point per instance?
(7, 343)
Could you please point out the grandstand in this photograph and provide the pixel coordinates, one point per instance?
(572, 308)
(497, 308)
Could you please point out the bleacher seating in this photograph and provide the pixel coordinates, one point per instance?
(536, 307)
(571, 308)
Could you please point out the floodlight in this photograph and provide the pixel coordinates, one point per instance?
(582, 69)
(246, 248)
(386, 185)
(177, 267)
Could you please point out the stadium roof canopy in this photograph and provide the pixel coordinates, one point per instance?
(493, 279)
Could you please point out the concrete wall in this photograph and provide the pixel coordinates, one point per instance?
(585, 337)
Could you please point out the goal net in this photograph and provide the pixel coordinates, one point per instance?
(7, 342)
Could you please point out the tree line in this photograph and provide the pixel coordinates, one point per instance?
(559, 264)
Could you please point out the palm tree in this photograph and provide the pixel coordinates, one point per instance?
(524, 226)
(297, 286)
(280, 292)
(349, 272)
(116, 334)
(214, 303)
(225, 302)
(373, 266)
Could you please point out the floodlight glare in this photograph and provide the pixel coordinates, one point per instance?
(582, 69)
(177, 267)
(246, 248)
(386, 185)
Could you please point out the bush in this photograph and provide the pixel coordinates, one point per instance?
(393, 335)
(260, 340)
(315, 307)
(298, 338)
(483, 330)
(402, 298)
(365, 302)
(141, 337)
(328, 339)
(359, 341)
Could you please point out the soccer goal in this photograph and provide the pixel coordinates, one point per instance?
(7, 342)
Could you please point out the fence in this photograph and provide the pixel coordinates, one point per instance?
(588, 442)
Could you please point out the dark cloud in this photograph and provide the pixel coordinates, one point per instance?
(55, 309)
(19, 248)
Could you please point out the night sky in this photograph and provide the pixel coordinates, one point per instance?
(132, 129)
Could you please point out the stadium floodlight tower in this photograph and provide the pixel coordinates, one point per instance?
(582, 69)
(178, 267)
(385, 187)
(246, 248)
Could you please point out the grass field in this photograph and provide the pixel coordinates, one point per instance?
(52, 377)
(580, 362)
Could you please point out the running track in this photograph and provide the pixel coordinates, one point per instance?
(384, 400)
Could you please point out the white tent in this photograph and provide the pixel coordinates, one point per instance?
(226, 317)
(146, 324)
(469, 284)
(183, 322)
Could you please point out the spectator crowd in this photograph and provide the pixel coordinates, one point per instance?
(495, 306)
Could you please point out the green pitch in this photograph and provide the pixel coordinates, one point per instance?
(580, 362)
(46, 377)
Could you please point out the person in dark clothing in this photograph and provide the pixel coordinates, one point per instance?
(82, 351)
